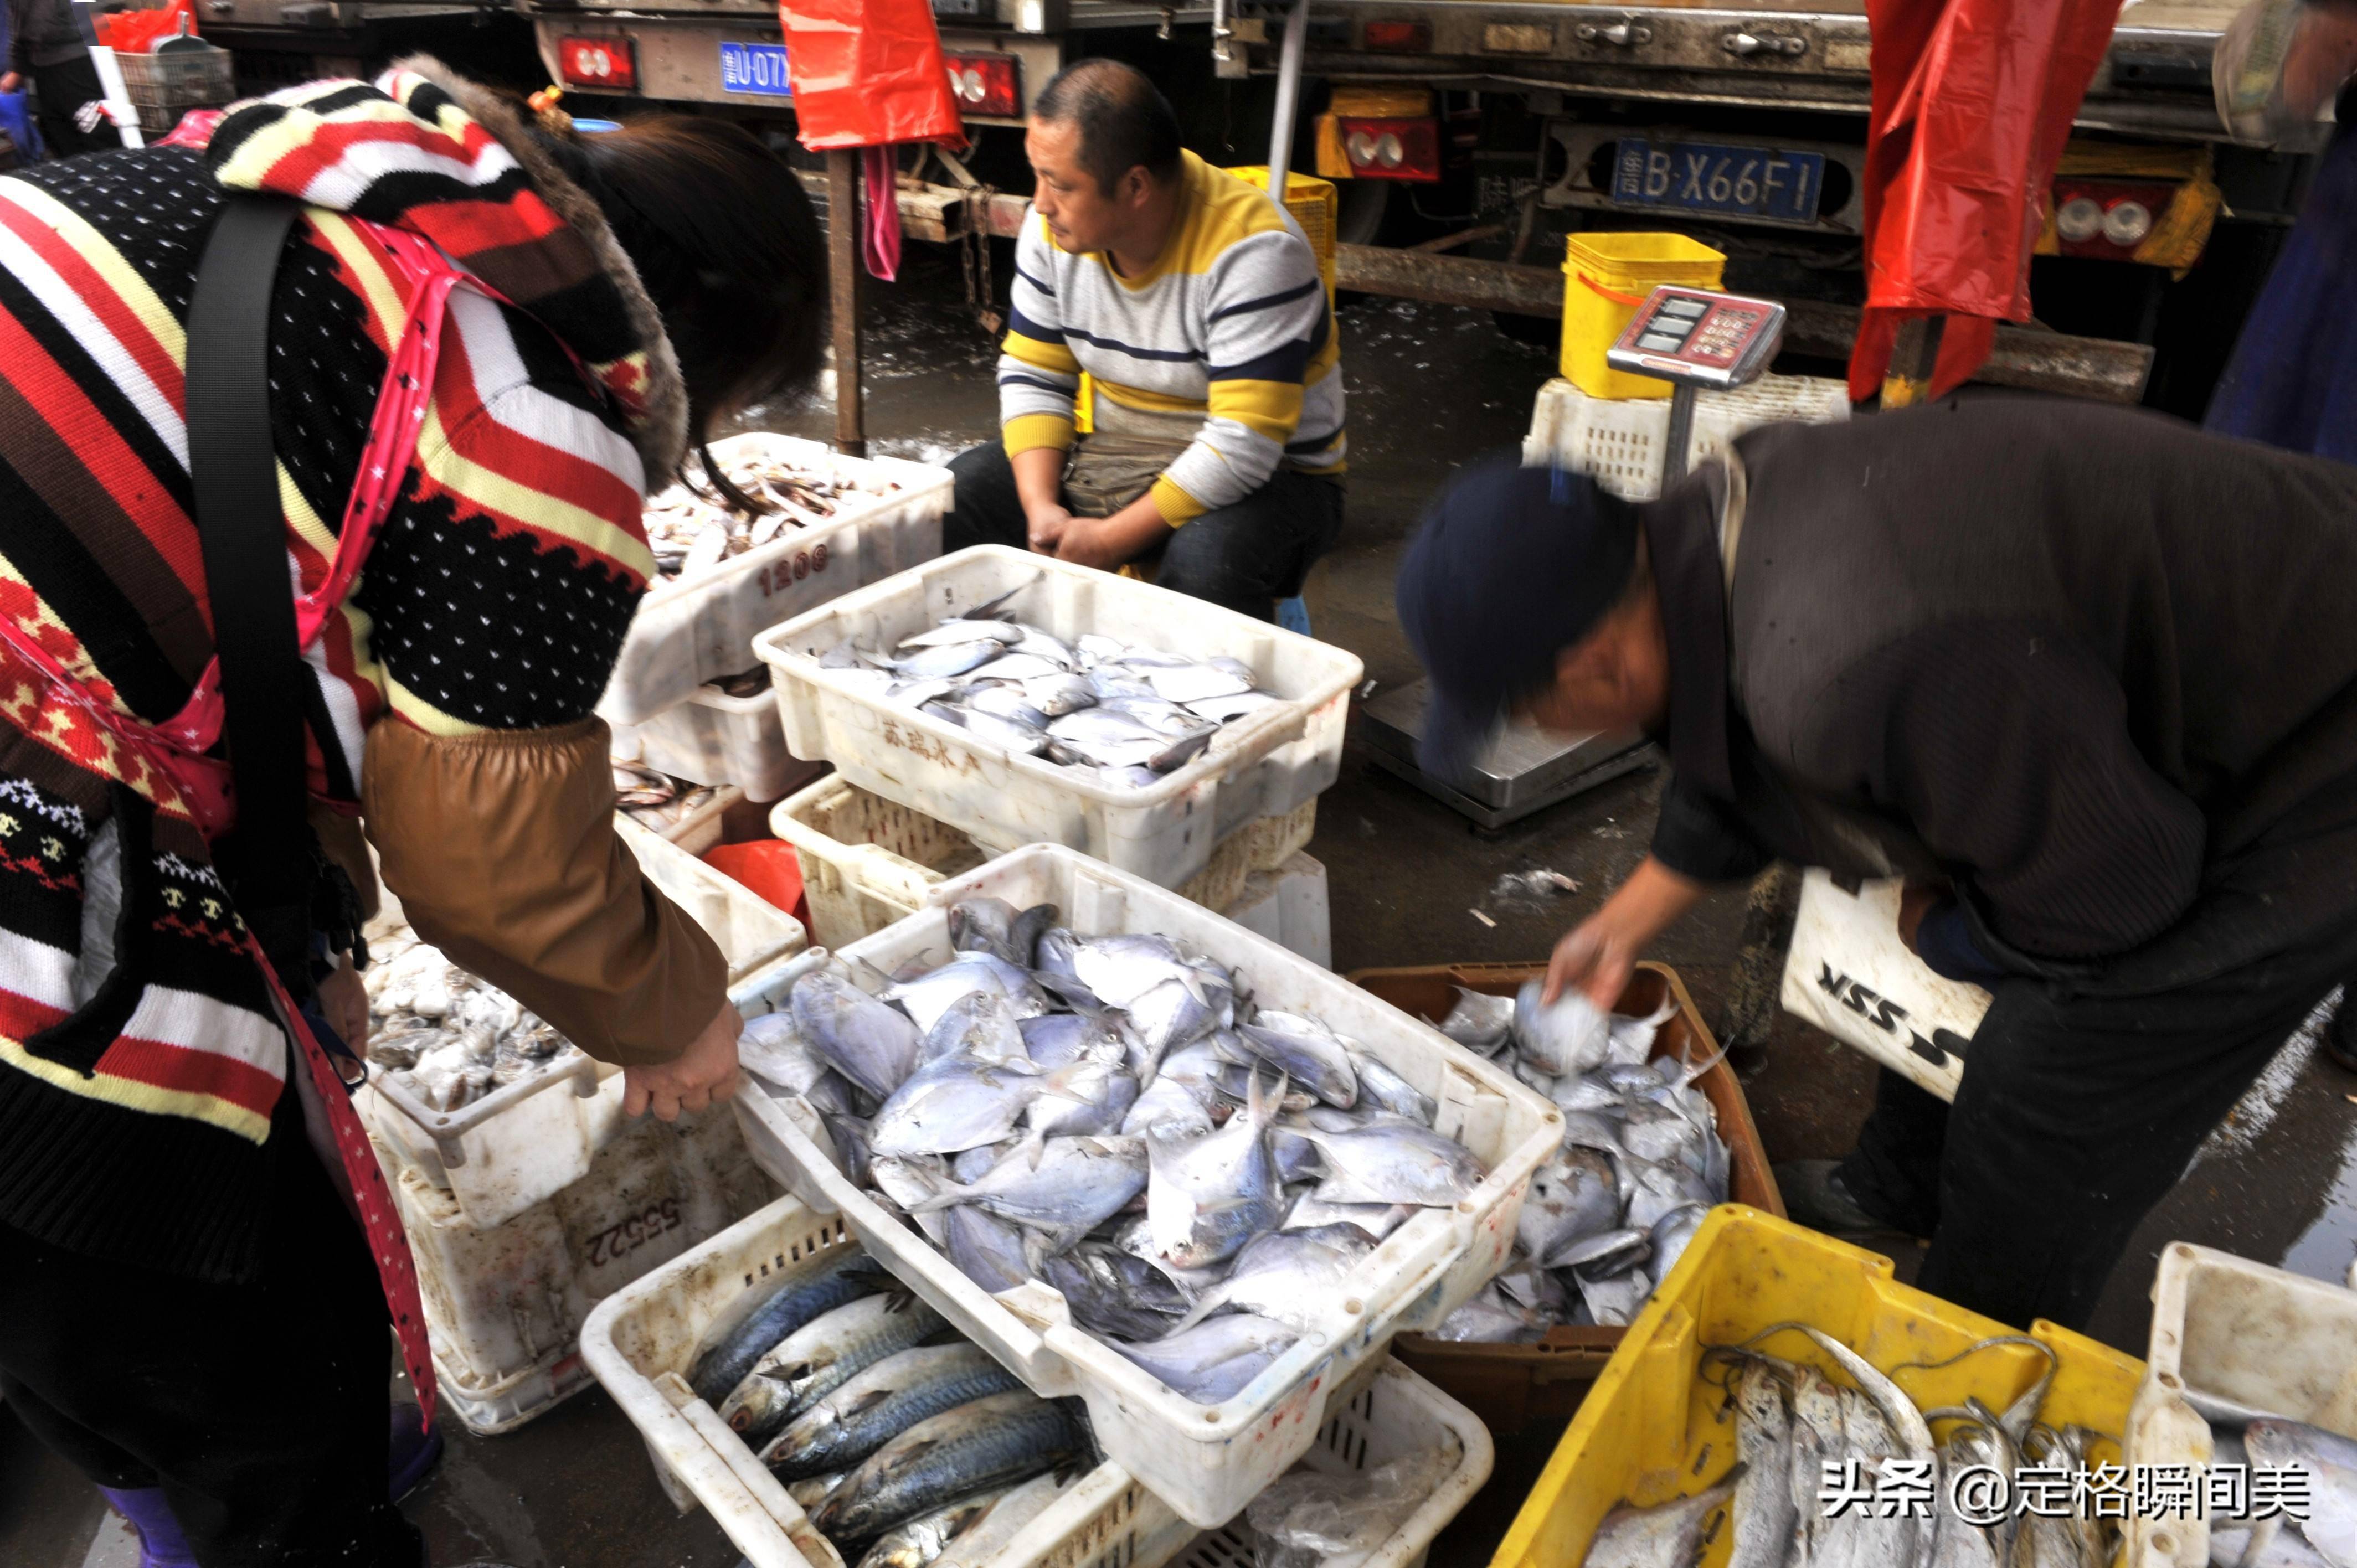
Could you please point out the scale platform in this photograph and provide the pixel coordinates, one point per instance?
(1525, 769)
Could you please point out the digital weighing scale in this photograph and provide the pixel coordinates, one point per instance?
(1692, 338)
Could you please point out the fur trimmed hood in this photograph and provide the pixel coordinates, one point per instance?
(425, 149)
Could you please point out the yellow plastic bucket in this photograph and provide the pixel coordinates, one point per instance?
(1654, 1428)
(1605, 278)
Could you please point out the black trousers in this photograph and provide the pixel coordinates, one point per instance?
(1246, 556)
(2075, 1116)
(262, 1409)
(64, 88)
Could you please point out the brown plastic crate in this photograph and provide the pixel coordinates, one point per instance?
(1509, 1385)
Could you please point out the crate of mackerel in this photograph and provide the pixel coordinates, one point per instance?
(821, 523)
(861, 1430)
(1141, 1154)
(1023, 700)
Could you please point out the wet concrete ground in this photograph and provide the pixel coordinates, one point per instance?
(1429, 387)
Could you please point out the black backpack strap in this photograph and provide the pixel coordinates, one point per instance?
(267, 690)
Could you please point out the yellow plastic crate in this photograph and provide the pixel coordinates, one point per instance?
(1651, 1431)
(1605, 278)
(1315, 204)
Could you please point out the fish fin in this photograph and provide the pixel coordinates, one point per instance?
(1031, 1150)
(898, 1299)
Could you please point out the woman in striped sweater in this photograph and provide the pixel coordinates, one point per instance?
(185, 1299)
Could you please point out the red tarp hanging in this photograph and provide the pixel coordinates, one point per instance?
(867, 74)
(1972, 102)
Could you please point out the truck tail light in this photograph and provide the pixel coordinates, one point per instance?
(611, 63)
(1399, 38)
(1390, 148)
(2108, 220)
(989, 84)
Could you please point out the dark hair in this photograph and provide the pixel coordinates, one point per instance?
(1122, 118)
(728, 248)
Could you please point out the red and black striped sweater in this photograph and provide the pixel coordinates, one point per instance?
(460, 675)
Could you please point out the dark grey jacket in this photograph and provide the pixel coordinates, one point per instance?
(2096, 666)
(41, 32)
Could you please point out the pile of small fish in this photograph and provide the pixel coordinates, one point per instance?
(1792, 1421)
(2244, 1437)
(691, 533)
(1642, 1163)
(1129, 712)
(442, 1034)
(656, 801)
(905, 1442)
(1113, 1117)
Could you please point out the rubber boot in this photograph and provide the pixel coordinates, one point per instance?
(161, 1544)
(413, 1452)
(1815, 1196)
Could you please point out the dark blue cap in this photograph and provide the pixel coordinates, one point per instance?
(1512, 566)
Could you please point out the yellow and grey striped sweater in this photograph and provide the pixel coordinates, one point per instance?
(1231, 322)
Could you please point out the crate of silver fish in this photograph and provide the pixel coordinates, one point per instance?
(817, 524)
(1657, 1131)
(1140, 1153)
(1783, 1398)
(1023, 700)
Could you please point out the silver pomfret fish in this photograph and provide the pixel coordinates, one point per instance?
(870, 1043)
(1210, 1194)
(1216, 1360)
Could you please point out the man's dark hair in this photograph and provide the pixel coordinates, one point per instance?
(1122, 118)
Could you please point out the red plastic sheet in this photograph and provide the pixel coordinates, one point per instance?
(1973, 100)
(867, 74)
(137, 32)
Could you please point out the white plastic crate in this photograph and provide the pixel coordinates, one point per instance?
(1267, 764)
(710, 737)
(2234, 1330)
(641, 1342)
(505, 1302)
(512, 1148)
(1621, 440)
(1205, 1462)
(867, 862)
(1288, 905)
(686, 633)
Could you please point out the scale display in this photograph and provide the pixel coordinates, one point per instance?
(1693, 337)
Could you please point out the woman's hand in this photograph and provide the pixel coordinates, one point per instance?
(704, 1074)
(1602, 950)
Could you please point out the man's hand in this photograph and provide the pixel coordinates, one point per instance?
(703, 1074)
(1602, 950)
(11, 81)
(343, 1002)
(1596, 958)
(1916, 900)
(1109, 543)
(1047, 524)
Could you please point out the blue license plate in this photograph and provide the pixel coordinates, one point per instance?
(1709, 177)
(754, 67)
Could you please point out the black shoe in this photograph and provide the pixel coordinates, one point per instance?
(1815, 1196)
(2341, 1030)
